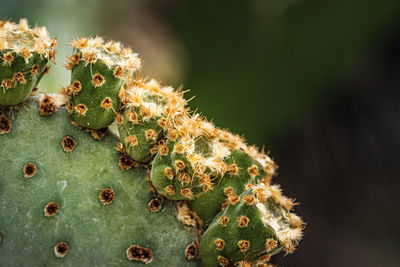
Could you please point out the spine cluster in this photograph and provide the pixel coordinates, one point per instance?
(24, 55)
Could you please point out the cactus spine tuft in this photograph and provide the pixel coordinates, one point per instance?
(24, 55)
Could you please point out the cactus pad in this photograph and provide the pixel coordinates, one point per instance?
(66, 202)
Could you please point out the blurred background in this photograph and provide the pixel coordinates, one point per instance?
(317, 83)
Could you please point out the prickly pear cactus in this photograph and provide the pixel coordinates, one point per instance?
(24, 54)
(171, 190)
(100, 211)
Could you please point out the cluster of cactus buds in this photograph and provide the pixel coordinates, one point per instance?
(225, 182)
(221, 177)
(24, 55)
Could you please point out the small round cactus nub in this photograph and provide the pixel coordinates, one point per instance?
(148, 108)
(99, 70)
(241, 172)
(187, 163)
(252, 230)
(24, 54)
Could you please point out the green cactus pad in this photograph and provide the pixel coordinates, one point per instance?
(24, 54)
(257, 227)
(98, 72)
(100, 210)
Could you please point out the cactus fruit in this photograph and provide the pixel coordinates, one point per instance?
(144, 118)
(73, 195)
(24, 54)
(61, 187)
(252, 230)
(242, 170)
(99, 70)
(173, 174)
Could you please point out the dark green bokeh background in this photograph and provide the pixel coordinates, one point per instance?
(316, 82)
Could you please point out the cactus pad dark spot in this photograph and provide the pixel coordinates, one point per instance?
(106, 196)
(47, 106)
(61, 249)
(155, 204)
(29, 170)
(68, 143)
(51, 209)
(191, 251)
(5, 124)
(139, 253)
(125, 162)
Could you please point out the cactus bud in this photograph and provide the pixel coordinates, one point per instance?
(99, 70)
(24, 54)
(147, 107)
(252, 232)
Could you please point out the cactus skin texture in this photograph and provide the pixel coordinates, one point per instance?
(97, 234)
(24, 54)
(252, 230)
(98, 72)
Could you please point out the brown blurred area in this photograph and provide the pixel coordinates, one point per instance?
(315, 82)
